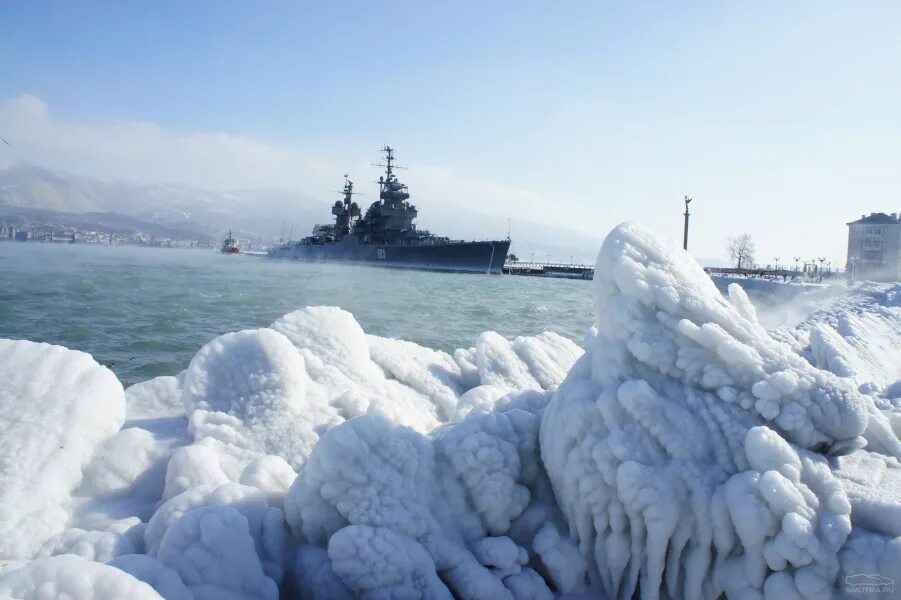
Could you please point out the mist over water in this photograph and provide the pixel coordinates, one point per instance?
(146, 311)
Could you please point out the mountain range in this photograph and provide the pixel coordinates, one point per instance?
(261, 215)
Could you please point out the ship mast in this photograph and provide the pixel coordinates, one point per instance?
(389, 162)
(346, 213)
(388, 182)
(389, 158)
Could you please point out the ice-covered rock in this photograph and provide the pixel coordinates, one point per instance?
(212, 550)
(264, 524)
(454, 502)
(688, 449)
(56, 407)
(376, 562)
(271, 475)
(127, 473)
(336, 355)
(157, 398)
(165, 580)
(256, 381)
(72, 577)
(124, 537)
(856, 336)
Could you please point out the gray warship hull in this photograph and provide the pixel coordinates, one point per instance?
(458, 257)
(386, 235)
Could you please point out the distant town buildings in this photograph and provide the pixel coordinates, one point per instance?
(874, 247)
(30, 231)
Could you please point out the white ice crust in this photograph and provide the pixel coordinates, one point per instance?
(56, 407)
(686, 452)
(691, 452)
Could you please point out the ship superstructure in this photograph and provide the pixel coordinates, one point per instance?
(386, 235)
(230, 245)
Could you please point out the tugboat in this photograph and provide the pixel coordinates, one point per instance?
(386, 235)
(230, 245)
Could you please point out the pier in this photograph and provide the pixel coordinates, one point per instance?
(586, 272)
(548, 269)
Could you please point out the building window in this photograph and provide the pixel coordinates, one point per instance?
(872, 244)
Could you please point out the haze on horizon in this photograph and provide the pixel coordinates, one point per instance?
(780, 120)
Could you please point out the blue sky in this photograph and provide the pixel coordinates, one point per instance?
(780, 119)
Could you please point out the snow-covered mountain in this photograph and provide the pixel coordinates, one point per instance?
(258, 212)
(263, 213)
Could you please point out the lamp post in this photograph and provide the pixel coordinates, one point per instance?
(685, 231)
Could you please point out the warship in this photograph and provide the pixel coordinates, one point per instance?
(386, 235)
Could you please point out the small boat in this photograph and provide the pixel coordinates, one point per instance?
(230, 245)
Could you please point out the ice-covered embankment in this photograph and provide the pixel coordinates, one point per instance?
(694, 454)
(687, 453)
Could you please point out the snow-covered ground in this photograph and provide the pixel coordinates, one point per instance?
(689, 449)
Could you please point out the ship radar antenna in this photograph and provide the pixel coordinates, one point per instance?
(348, 190)
(389, 162)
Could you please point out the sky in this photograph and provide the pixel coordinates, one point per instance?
(781, 120)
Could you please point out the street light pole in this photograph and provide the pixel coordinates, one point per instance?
(685, 232)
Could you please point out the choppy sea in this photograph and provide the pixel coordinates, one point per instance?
(145, 312)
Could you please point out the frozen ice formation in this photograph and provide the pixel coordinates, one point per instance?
(70, 576)
(461, 501)
(686, 453)
(691, 452)
(56, 407)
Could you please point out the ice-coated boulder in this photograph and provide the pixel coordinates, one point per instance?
(264, 524)
(257, 378)
(271, 475)
(689, 450)
(211, 549)
(376, 562)
(56, 407)
(165, 580)
(393, 508)
(99, 546)
(73, 578)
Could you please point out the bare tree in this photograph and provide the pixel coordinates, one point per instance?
(741, 251)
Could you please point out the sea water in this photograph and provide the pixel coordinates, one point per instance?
(145, 312)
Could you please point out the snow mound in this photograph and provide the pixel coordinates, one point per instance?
(123, 537)
(56, 407)
(72, 577)
(255, 383)
(275, 391)
(263, 524)
(157, 398)
(856, 335)
(212, 550)
(165, 580)
(382, 509)
(688, 449)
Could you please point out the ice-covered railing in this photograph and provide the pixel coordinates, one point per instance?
(688, 453)
(688, 449)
